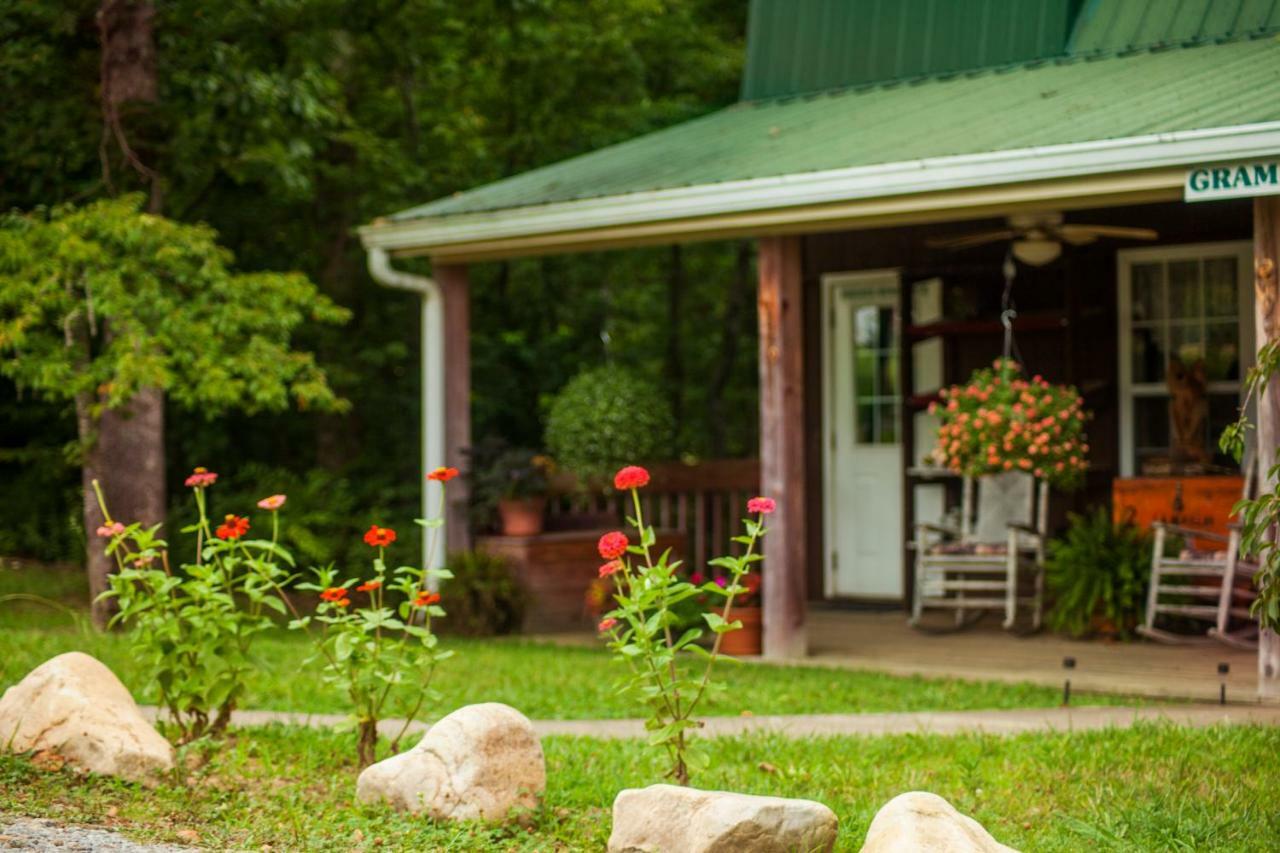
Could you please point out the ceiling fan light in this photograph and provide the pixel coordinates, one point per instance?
(1037, 253)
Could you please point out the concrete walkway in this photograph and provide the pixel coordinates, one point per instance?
(996, 722)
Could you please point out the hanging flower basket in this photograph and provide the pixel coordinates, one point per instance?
(1001, 421)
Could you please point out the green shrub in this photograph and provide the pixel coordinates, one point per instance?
(483, 597)
(607, 417)
(1098, 569)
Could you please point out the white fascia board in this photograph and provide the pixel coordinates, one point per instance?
(1152, 151)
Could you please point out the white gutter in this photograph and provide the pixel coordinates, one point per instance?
(1152, 151)
(432, 402)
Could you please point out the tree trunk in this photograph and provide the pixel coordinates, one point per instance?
(124, 451)
(124, 448)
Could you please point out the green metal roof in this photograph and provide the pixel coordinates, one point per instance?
(1118, 25)
(796, 46)
(1048, 103)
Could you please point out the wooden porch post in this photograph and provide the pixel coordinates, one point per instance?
(782, 462)
(1266, 257)
(455, 290)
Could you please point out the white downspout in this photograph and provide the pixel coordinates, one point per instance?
(432, 404)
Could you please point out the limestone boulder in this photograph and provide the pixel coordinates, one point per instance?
(926, 823)
(672, 819)
(75, 707)
(482, 762)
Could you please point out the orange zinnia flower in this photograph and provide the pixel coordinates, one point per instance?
(443, 475)
(426, 598)
(232, 527)
(369, 586)
(379, 537)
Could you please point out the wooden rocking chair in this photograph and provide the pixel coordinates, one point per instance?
(1202, 585)
(993, 562)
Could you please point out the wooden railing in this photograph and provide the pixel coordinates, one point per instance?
(705, 501)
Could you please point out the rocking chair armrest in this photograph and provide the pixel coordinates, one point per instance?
(928, 527)
(1191, 531)
(1026, 530)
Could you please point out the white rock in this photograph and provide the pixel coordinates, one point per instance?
(672, 819)
(74, 706)
(478, 763)
(926, 823)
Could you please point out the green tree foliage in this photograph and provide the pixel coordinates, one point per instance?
(100, 301)
(285, 124)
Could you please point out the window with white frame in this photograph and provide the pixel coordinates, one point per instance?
(1180, 305)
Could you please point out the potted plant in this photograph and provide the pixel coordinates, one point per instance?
(511, 484)
(1097, 574)
(1000, 421)
(749, 639)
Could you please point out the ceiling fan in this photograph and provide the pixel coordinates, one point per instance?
(1037, 238)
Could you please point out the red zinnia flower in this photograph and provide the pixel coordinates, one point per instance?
(379, 537)
(426, 598)
(200, 478)
(631, 477)
(333, 594)
(613, 545)
(606, 624)
(369, 586)
(443, 475)
(763, 506)
(610, 567)
(233, 527)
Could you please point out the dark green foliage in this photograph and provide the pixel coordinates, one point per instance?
(498, 472)
(607, 417)
(1098, 569)
(482, 598)
(286, 124)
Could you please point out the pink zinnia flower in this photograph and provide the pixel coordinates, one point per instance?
(272, 503)
(610, 567)
(606, 624)
(200, 478)
(762, 505)
(107, 531)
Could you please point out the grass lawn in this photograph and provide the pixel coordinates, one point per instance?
(543, 680)
(1154, 787)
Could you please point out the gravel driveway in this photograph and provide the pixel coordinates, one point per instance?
(24, 833)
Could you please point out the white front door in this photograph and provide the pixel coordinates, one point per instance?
(863, 472)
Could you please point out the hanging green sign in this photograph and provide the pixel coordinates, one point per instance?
(1236, 180)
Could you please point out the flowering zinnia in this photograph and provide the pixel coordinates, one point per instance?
(333, 594)
(606, 624)
(613, 545)
(631, 477)
(272, 503)
(233, 527)
(443, 475)
(763, 506)
(200, 478)
(426, 598)
(369, 586)
(115, 528)
(379, 537)
(610, 567)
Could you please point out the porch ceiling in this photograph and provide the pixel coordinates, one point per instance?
(1136, 119)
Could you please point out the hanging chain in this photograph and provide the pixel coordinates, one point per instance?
(1008, 312)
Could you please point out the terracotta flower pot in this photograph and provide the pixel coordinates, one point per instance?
(522, 516)
(748, 639)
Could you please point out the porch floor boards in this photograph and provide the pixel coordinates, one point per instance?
(883, 642)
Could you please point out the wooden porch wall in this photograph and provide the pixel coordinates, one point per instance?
(1080, 287)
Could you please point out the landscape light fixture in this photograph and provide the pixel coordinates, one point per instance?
(1224, 669)
(1068, 663)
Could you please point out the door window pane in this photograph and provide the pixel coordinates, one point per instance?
(1222, 351)
(1187, 345)
(875, 363)
(1148, 354)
